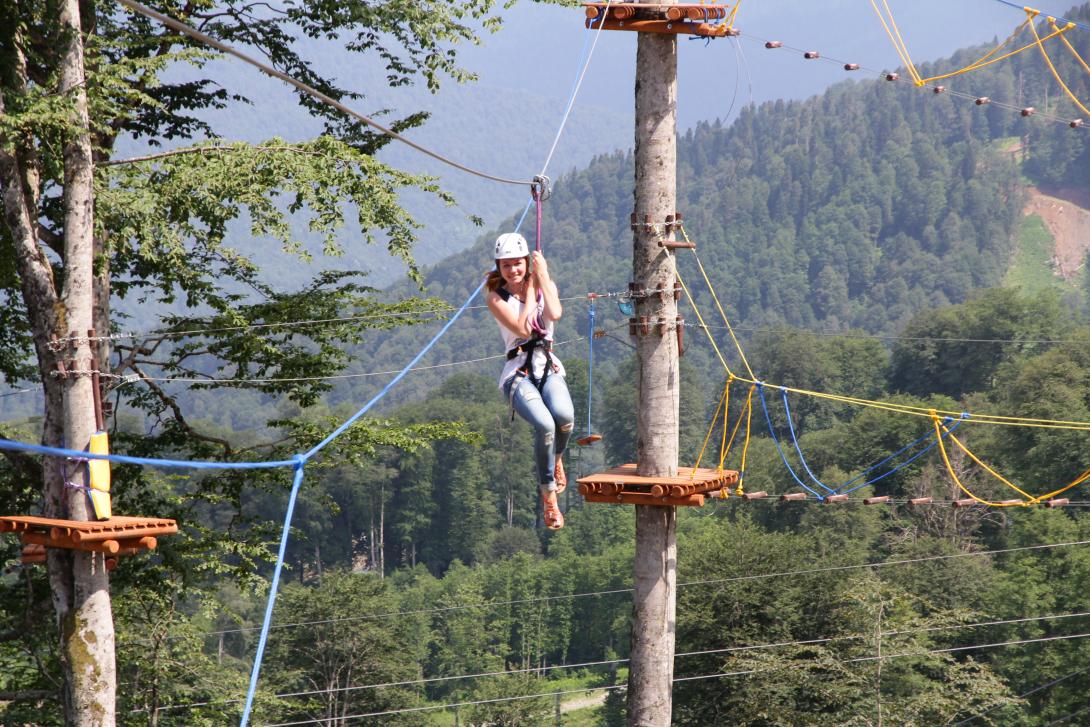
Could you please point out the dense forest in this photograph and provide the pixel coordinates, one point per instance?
(859, 241)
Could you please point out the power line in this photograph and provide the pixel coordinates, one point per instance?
(608, 592)
(612, 662)
(1042, 687)
(720, 675)
(330, 377)
(310, 91)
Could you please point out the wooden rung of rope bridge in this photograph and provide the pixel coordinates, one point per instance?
(680, 19)
(687, 489)
(113, 537)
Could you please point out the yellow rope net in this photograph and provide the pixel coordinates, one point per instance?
(942, 432)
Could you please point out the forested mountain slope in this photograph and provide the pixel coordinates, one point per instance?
(852, 209)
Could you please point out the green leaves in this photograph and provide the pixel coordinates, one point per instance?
(168, 217)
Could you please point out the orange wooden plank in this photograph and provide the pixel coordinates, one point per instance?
(90, 530)
(626, 475)
(663, 27)
(634, 498)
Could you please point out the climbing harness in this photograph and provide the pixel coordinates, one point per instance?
(538, 341)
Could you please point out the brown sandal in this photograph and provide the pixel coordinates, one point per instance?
(554, 519)
(560, 476)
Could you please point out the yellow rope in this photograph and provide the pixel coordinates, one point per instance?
(726, 424)
(981, 63)
(726, 321)
(950, 467)
(902, 52)
(745, 446)
(1052, 67)
(1073, 51)
(730, 18)
(708, 436)
(901, 40)
(1074, 483)
(1031, 499)
(985, 467)
(704, 325)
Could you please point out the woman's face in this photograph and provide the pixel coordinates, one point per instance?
(513, 270)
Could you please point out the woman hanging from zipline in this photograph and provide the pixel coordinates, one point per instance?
(524, 301)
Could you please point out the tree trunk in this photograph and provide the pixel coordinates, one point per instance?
(78, 581)
(87, 630)
(382, 531)
(651, 674)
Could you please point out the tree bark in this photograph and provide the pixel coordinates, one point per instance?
(86, 617)
(650, 681)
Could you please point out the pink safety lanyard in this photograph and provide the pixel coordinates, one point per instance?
(538, 324)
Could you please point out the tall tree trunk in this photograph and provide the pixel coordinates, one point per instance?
(78, 581)
(87, 630)
(650, 681)
(382, 531)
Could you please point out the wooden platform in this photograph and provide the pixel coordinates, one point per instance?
(680, 19)
(623, 485)
(116, 536)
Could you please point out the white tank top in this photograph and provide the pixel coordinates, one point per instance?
(510, 341)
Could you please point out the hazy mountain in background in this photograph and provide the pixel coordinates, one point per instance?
(505, 123)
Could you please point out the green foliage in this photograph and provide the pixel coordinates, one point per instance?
(323, 662)
(958, 349)
(1031, 269)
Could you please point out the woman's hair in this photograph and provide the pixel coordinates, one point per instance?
(494, 281)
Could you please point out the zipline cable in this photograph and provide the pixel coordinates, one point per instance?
(1082, 26)
(310, 91)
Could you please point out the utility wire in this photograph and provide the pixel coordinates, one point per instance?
(310, 91)
(608, 592)
(330, 377)
(676, 680)
(613, 662)
(1042, 687)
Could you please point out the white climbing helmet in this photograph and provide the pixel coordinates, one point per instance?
(511, 245)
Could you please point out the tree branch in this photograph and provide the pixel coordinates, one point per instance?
(179, 417)
(52, 239)
(202, 150)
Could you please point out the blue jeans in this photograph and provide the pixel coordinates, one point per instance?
(551, 414)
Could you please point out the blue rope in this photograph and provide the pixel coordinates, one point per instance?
(148, 461)
(910, 460)
(840, 490)
(772, 431)
(1082, 26)
(795, 441)
(393, 382)
(299, 463)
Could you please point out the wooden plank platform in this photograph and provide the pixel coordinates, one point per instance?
(687, 489)
(115, 536)
(680, 19)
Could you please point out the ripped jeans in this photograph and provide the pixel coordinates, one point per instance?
(551, 414)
